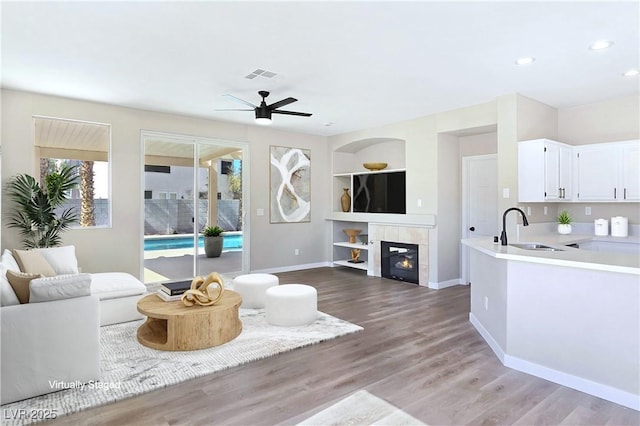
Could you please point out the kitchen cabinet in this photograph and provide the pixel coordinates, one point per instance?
(608, 172)
(631, 171)
(544, 171)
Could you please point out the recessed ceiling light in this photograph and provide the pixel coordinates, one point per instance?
(631, 73)
(525, 60)
(601, 44)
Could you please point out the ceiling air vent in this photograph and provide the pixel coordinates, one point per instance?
(261, 73)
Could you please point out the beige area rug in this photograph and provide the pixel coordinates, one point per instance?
(361, 408)
(130, 369)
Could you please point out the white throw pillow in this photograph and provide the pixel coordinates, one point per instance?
(59, 287)
(9, 262)
(62, 259)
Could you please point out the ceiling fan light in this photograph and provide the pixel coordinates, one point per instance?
(263, 115)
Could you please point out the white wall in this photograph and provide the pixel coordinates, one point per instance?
(119, 247)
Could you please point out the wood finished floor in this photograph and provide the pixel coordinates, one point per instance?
(418, 351)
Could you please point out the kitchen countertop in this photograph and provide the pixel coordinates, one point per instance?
(569, 256)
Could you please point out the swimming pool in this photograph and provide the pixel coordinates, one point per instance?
(230, 242)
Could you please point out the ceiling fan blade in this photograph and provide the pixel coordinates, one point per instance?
(282, 103)
(241, 101)
(303, 114)
(233, 109)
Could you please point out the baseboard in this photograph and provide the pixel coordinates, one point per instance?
(293, 268)
(495, 347)
(445, 284)
(581, 384)
(626, 399)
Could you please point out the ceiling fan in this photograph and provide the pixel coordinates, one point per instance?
(264, 111)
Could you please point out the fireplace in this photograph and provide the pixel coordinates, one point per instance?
(399, 261)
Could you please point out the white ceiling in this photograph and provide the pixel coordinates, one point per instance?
(354, 64)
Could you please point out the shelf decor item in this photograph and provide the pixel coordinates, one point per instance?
(345, 200)
(352, 233)
(375, 166)
(564, 223)
(355, 256)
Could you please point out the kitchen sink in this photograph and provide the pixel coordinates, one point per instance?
(534, 246)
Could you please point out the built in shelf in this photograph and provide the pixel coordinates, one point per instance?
(360, 246)
(363, 266)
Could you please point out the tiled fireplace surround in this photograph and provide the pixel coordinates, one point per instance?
(401, 234)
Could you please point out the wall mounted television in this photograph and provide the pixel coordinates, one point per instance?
(380, 193)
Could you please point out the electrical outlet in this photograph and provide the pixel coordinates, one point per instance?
(587, 211)
(528, 211)
(296, 252)
(545, 210)
(486, 303)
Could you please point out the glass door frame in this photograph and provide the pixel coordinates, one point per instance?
(197, 142)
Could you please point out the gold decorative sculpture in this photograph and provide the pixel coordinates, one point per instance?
(355, 256)
(202, 292)
(352, 233)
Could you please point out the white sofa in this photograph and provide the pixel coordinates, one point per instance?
(48, 344)
(53, 342)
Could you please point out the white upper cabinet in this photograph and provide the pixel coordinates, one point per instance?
(607, 172)
(631, 171)
(544, 171)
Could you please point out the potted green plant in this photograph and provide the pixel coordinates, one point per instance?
(35, 212)
(564, 222)
(212, 241)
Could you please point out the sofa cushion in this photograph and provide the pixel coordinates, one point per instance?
(9, 262)
(20, 283)
(59, 287)
(33, 262)
(62, 259)
(111, 285)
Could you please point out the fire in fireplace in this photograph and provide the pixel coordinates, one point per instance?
(400, 261)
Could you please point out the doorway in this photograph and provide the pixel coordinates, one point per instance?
(191, 183)
(479, 202)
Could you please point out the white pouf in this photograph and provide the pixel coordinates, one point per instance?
(291, 304)
(252, 287)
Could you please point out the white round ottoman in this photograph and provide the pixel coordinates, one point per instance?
(252, 288)
(291, 304)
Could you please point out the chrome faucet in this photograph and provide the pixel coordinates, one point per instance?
(503, 234)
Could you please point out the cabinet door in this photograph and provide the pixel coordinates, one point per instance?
(630, 185)
(552, 186)
(558, 171)
(566, 172)
(597, 173)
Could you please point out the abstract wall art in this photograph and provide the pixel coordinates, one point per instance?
(290, 185)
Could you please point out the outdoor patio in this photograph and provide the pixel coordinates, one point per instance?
(164, 265)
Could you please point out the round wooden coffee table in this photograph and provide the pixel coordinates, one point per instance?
(171, 326)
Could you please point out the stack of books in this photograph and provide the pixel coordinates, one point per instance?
(170, 292)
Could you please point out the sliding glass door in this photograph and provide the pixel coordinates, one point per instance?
(190, 184)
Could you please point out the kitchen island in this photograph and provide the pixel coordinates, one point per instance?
(570, 316)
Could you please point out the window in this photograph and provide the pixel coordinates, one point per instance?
(84, 146)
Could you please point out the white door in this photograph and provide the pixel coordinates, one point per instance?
(479, 202)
